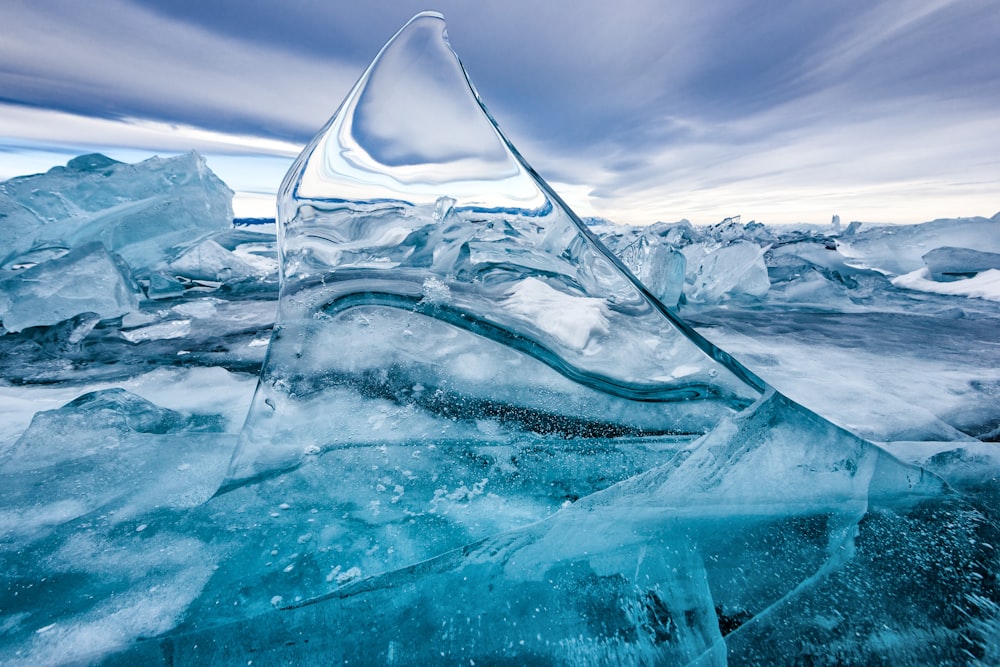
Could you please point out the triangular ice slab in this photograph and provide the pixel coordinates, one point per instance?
(440, 304)
(477, 438)
(437, 297)
(434, 289)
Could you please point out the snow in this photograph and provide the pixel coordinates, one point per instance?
(571, 320)
(984, 285)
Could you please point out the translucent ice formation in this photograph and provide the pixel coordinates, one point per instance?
(948, 263)
(658, 266)
(141, 211)
(679, 263)
(105, 448)
(732, 270)
(899, 249)
(210, 261)
(86, 280)
(439, 291)
(477, 438)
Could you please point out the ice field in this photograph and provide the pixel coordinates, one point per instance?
(431, 416)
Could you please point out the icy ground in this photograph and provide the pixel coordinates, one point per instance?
(841, 335)
(916, 370)
(889, 363)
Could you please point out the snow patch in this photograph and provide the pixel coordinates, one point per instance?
(985, 285)
(572, 320)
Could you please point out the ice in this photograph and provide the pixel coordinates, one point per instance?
(812, 272)
(659, 267)
(817, 267)
(88, 279)
(446, 291)
(731, 271)
(477, 439)
(210, 261)
(163, 287)
(879, 396)
(140, 211)
(681, 264)
(174, 328)
(947, 263)
(88, 497)
(115, 445)
(899, 249)
(672, 566)
(111, 238)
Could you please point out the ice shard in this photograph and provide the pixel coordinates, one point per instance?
(88, 279)
(105, 448)
(478, 439)
(431, 279)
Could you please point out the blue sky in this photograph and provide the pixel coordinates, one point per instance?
(783, 111)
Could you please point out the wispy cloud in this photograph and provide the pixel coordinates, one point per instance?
(643, 110)
(29, 125)
(112, 59)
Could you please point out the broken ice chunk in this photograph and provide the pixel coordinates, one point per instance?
(658, 266)
(87, 280)
(163, 287)
(949, 263)
(210, 261)
(141, 211)
(107, 447)
(419, 249)
(899, 249)
(733, 270)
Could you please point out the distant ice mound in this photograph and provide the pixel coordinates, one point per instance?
(95, 238)
(139, 211)
(901, 249)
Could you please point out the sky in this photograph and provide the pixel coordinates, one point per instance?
(637, 111)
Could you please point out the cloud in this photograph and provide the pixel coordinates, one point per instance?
(890, 162)
(113, 60)
(29, 125)
(644, 110)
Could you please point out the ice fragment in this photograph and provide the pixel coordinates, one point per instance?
(140, 211)
(86, 280)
